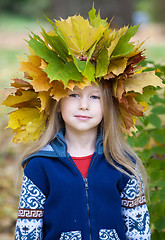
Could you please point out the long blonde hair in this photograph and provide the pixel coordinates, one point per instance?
(115, 145)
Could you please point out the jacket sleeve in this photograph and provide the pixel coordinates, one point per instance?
(135, 211)
(30, 212)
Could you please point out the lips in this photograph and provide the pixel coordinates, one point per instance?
(82, 117)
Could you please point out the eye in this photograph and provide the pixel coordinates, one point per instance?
(95, 97)
(74, 95)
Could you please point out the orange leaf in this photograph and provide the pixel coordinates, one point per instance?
(45, 100)
(58, 91)
(41, 82)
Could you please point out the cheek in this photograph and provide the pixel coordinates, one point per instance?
(98, 110)
(66, 107)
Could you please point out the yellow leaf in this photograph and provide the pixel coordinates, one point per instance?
(140, 80)
(41, 82)
(58, 91)
(30, 68)
(117, 66)
(22, 116)
(27, 124)
(45, 100)
(22, 98)
(34, 67)
(36, 128)
(78, 33)
(71, 84)
(145, 105)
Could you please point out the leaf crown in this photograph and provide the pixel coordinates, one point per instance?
(77, 52)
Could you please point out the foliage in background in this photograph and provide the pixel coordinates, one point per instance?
(154, 9)
(149, 143)
(28, 8)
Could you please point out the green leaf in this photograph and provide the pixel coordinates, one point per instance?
(96, 21)
(57, 69)
(144, 120)
(155, 120)
(160, 222)
(65, 72)
(162, 194)
(57, 44)
(158, 110)
(89, 72)
(102, 63)
(139, 127)
(123, 46)
(148, 92)
(156, 99)
(159, 135)
(159, 150)
(131, 141)
(146, 154)
(42, 51)
(80, 65)
(142, 139)
(158, 236)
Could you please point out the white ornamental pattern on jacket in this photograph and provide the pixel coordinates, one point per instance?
(30, 213)
(108, 234)
(135, 211)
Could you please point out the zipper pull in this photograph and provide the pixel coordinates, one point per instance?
(86, 183)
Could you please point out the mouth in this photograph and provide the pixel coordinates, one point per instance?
(82, 117)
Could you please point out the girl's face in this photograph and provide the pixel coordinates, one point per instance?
(82, 110)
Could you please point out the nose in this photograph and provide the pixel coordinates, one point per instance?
(83, 103)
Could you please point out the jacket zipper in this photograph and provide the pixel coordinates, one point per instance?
(87, 198)
(86, 186)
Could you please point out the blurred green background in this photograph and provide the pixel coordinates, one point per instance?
(16, 18)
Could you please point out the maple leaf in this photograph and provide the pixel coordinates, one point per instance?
(114, 38)
(45, 99)
(22, 98)
(140, 80)
(96, 21)
(71, 84)
(130, 108)
(27, 124)
(33, 65)
(148, 92)
(54, 42)
(58, 91)
(123, 46)
(102, 63)
(120, 89)
(56, 69)
(117, 66)
(19, 83)
(79, 34)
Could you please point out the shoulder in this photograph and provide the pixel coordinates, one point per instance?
(35, 171)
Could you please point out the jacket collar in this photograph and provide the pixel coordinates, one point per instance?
(58, 147)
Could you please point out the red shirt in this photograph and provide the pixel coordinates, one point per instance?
(83, 164)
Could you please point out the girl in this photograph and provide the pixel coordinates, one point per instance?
(81, 179)
(70, 189)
